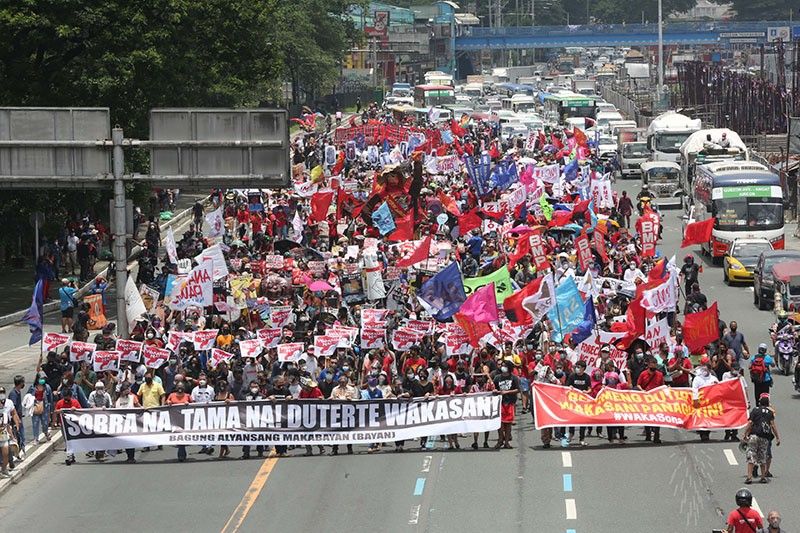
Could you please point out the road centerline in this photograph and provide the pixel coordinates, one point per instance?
(251, 495)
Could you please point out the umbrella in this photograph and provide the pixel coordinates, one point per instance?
(319, 286)
(313, 254)
(285, 245)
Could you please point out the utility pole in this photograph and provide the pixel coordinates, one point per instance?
(660, 90)
(120, 234)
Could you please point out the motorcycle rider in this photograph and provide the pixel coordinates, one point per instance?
(784, 341)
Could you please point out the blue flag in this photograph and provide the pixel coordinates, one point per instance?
(383, 219)
(479, 173)
(504, 174)
(571, 170)
(568, 311)
(443, 294)
(33, 316)
(584, 329)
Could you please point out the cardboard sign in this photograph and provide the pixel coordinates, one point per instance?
(423, 326)
(343, 332)
(404, 338)
(274, 262)
(250, 348)
(129, 350)
(51, 341)
(205, 339)
(106, 361)
(291, 352)
(370, 316)
(280, 316)
(175, 338)
(372, 337)
(325, 345)
(155, 357)
(457, 343)
(81, 351)
(269, 337)
(196, 289)
(218, 356)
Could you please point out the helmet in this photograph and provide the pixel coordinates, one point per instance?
(762, 347)
(783, 315)
(744, 498)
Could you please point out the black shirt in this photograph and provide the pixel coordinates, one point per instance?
(762, 417)
(690, 272)
(579, 381)
(507, 382)
(418, 390)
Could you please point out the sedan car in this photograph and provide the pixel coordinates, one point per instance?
(740, 261)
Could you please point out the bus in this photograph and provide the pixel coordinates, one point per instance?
(559, 107)
(745, 199)
(520, 103)
(433, 95)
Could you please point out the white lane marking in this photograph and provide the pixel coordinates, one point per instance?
(426, 463)
(566, 459)
(414, 516)
(757, 508)
(730, 457)
(13, 350)
(572, 512)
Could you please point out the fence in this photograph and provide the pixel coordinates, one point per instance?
(329, 104)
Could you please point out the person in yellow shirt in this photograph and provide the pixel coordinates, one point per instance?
(151, 394)
(225, 338)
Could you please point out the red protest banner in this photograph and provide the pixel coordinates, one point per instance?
(405, 338)
(599, 241)
(373, 338)
(51, 341)
(721, 406)
(538, 251)
(701, 328)
(250, 348)
(647, 228)
(291, 352)
(218, 356)
(584, 251)
(325, 345)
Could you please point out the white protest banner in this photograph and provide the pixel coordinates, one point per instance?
(269, 337)
(280, 315)
(457, 343)
(515, 198)
(169, 244)
(134, 305)
(250, 348)
(291, 352)
(371, 315)
(81, 351)
(602, 194)
(404, 338)
(305, 189)
(423, 326)
(196, 289)
(343, 331)
(216, 223)
(154, 357)
(373, 338)
(214, 253)
(664, 297)
(283, 422)
(218, 356)
(657, 332)
(549, 173)
(589, 350)
(51, 341)
(273, 262)
(175, 338)
(325, 345)
(204, 339)
(129, 350)
(106, 361)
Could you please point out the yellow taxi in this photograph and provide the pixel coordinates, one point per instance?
(741, 259)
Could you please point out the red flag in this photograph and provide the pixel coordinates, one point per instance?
(697, 233)
(449, 204)
(320, 202)
(701, 328)
(580, 137)
(494, 151)
(496, 215)
(538, 250)
(555, 141)
(560, 218)
(418, 255)
(583, 250)
(474, 330)
(542, 140)
(456, 129)
(523, 248)
(468, 221)
(513, 304)
(339, 165)
(599, 241)
(659, 270)
(405, 228)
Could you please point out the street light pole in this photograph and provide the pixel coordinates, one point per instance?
(660, 53)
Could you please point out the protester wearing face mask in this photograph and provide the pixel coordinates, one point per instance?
(344, 391)
(580, 380)
(633, 274)
(203, 393)
(127, 400)
(66, 402)
(507, 385)
(703, 377)
(649, 380)
(151, 394)
(253, 394)
(181, 397)
(734, 373)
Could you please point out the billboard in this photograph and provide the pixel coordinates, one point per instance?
(380, 24)
(784, 33)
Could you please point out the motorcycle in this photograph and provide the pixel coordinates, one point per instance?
(785, 346)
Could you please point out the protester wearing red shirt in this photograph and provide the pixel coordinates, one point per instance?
(415, 361)
(649, 380)
(680, 367)
(744, 519)
(309, 390)
(67, 402)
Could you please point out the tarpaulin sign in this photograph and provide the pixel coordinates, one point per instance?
(129, 350)
(81, 351)
(589, 350)
(269, 337)
(321, 422)
(105, 361)
(51, 341)
(721, 406)
(291, 352)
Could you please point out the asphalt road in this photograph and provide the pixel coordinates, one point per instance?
(682, 485)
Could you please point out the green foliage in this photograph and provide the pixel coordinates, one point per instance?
(618, 11)
(135, 55)
(763, 9)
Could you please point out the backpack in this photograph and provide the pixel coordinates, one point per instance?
(758, 370)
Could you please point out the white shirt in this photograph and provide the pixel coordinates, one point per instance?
(8, 410)
(701, 381)
(202, 394)
(632, 275)
(72, 243)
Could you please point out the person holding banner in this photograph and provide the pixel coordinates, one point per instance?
(179, 397)
(648, 380)
(127, 400)
(507, 385)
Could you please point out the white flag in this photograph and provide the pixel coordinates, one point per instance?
(169, 244)
(297, 228)
(216, 223)
(134, 305)
(664, 297)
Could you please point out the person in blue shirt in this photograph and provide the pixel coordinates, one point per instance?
(66, 296)
(474, 244)
(760, 373)
(372, 392)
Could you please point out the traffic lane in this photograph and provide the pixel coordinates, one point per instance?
(660, 488)
(506, 490)
(360, 492)
(156, 494)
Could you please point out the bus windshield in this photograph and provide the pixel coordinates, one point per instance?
(670, 143)
(747, 214)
